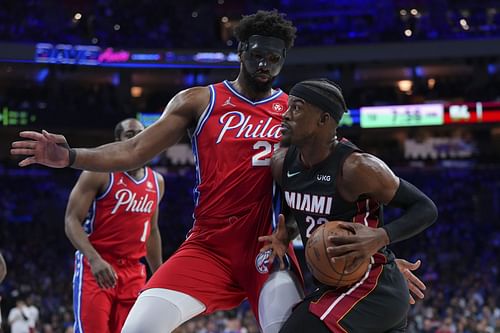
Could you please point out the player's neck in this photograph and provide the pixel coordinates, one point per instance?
(313, 153)
(137, 174)
(245, 90)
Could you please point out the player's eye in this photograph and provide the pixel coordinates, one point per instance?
(274, 59)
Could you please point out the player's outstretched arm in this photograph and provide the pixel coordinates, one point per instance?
(52, 150)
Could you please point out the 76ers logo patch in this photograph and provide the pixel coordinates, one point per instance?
(262, 261)
(278, 107)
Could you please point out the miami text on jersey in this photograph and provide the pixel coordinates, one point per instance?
(310, 203)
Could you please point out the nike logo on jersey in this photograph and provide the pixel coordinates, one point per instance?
(290, 175)
(228, 102)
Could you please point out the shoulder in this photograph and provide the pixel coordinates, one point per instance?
(91, 178)
(193, 96)
(363, 173)
(360, 164)
(193, 101)
(161, 182)
(159, 177)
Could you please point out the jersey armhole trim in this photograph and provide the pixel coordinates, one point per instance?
(206, 114)
(110, 185)
(157, 188)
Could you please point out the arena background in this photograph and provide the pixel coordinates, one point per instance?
(421, 79)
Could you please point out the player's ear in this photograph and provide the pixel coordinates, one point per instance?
(324, 118)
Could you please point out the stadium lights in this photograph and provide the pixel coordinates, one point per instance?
(405, 86)
(431, 83)
(136, 91)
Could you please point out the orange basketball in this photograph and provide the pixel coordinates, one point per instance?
(319, 264)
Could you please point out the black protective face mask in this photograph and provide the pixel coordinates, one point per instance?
(263, 54)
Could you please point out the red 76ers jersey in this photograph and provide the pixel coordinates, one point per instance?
(120, 219)
(233, 143)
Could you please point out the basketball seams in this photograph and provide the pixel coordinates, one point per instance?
(341, 274)
(328, 273)
(310, 264)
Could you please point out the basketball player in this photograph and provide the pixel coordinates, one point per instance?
(234, 127)
(325, 178)
(122, 227)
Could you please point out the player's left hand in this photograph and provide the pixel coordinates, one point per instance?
(415, 285)
(362, 244)
(277, 242)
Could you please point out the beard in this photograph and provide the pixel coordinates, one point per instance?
(257, 86)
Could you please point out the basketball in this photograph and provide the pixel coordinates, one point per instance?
(319, 264)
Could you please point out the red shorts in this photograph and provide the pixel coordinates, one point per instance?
(220, 265)
(105, 310)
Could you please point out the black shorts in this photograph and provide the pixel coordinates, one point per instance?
(379, 303)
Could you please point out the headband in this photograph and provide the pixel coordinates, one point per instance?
(318, 93)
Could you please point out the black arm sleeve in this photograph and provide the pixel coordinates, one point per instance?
(419, 212)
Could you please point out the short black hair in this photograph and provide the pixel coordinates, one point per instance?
(266, 23)
(119, 127)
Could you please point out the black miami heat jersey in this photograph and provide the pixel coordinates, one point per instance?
(313, 197)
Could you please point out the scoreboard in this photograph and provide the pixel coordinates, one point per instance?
(402, 115)
(472, 113)
(435, 114)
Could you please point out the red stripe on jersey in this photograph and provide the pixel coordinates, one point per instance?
(335, 304)
(121, 222)
(233, 144)
(368, 213)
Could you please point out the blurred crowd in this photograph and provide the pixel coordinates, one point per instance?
(203, 24)
(460, 253)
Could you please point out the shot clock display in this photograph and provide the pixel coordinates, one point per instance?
(402, 115)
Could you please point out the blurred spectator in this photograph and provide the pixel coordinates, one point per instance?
(19, 317)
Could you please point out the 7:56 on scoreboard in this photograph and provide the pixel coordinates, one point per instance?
(402, 115)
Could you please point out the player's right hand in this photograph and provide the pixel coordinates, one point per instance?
(277, 242)
(103, 273)
(43, 148)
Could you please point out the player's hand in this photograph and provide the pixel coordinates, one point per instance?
(43, 148)
(103, 273)
(277, 242)
(356, 248)
(415, 285)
